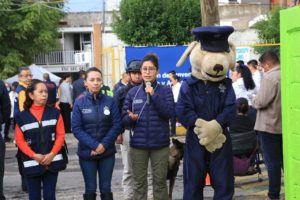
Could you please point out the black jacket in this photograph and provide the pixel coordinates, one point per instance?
(120, 95)
(5, 106)
(78, 88)
(51, 86)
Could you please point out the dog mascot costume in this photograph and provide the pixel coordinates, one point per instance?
(205, 106)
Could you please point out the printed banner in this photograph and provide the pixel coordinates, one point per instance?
(168, 57)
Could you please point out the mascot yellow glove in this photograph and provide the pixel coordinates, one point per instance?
(210, 134)
(216, 144)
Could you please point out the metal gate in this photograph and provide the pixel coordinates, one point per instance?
(112, 65)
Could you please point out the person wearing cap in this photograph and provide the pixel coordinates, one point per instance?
(147, 110)
(135, 78)
(205, 107)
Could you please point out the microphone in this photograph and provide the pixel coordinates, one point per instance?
(148, 84)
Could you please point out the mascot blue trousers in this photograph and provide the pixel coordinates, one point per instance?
(206, 100)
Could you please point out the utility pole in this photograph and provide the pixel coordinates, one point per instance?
(103, 15)
(210, 12)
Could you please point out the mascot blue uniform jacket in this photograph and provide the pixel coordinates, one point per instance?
(206, 100)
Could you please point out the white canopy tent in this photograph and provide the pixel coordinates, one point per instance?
(37, 73)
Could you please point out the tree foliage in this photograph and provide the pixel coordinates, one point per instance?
(156, 22)
(269, 31)
(26, 28)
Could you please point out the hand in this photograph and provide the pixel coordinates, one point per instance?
(93, 153)
(100, 149)
(207, 131)
(216, 144)
(119, 139)
(149, 90)
(132, 116)
(48, 159)
(38, 157)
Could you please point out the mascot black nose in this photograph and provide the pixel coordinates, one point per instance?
(218, 68)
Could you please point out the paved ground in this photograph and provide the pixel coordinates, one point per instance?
(71, 186)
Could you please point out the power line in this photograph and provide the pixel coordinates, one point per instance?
(26, 6)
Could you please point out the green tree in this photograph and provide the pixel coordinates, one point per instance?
(269, 31)
(156, 22)
(26, 29)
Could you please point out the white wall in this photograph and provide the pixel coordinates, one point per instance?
(111, 40)
(69, 42)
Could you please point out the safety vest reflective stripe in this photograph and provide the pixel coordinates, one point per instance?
(34, 125)
(27, 127)
(33, 163)
(30, 163)
(49, 122)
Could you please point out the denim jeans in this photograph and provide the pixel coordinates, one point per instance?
(271, 145)
(49, 180)
(89, 169)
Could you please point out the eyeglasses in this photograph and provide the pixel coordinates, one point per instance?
(148, 69)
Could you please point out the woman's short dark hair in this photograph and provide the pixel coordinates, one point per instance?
(152, 58)
(247, 76)
(92, 69)
(242, 105)
(32, 86)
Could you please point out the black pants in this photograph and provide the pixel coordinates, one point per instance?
(6, 128)
(20, 167)
(271, 146)
(2, 164)
(65, 110)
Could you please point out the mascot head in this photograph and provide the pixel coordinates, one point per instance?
(211, 55)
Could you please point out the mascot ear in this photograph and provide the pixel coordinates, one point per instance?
(232, 53)
(186, 53)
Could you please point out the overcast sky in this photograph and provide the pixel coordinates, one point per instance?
(90, 5)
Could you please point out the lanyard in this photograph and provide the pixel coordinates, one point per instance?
(139, 115)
